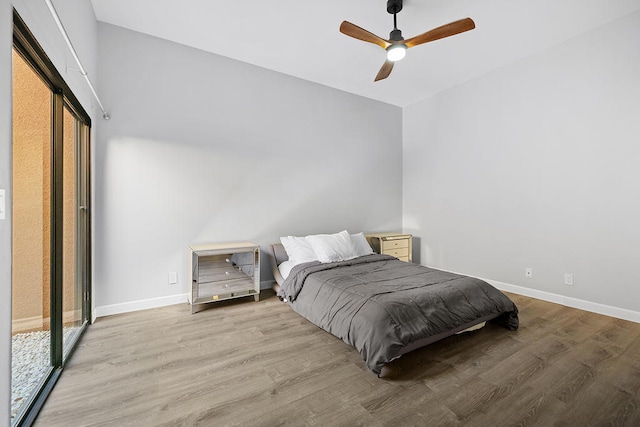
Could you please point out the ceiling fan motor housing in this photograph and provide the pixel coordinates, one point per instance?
(394, 6)
(395, 35)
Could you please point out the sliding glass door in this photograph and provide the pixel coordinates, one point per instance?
(31, 261)
(74, 229)
(51, 260)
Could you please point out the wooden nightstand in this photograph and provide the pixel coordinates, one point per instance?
(395, 244)
(222, 271)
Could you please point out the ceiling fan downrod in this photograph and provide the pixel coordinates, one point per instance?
(393, 7)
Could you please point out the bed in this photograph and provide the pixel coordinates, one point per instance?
(385, 307)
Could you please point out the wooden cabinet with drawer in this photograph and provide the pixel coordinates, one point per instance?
(395, 244)
(223, 271)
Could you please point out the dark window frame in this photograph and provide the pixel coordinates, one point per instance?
(26, 45)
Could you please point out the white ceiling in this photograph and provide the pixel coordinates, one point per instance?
(301, 37)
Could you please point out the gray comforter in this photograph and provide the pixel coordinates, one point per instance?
(381, 305)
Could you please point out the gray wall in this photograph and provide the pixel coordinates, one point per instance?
(202, 148)
(79, 19)
(536, 165)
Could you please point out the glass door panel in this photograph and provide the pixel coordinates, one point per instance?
(74, 210)
(31, 246)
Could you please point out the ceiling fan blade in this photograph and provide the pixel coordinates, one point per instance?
(384, 71)
(356, 32)
(447, 30)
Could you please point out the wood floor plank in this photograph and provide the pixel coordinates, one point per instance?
(260, 364)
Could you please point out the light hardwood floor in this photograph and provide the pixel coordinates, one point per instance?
(259, 363)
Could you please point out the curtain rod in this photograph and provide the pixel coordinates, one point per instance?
(84, 73)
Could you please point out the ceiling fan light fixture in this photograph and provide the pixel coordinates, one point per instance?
(396, 47)
(396, 52)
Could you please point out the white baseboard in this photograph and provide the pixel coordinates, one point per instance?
(607, 310)
(594, 307)
(267, 284)
(126, 307)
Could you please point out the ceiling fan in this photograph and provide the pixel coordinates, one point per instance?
(396, 46)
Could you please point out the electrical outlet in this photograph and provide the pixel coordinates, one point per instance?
(568, 279)
(528, 272)
(173, 277)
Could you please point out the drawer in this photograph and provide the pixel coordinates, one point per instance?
(214, 262)
(394, 244)
(398, 253)
(221, 268)
(221, 275)
(206, 292)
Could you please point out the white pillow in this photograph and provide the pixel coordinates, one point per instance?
(332, 247)
(360, 245)
(298, 249)
(286, 267)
